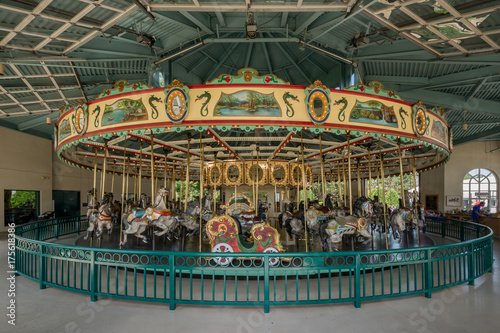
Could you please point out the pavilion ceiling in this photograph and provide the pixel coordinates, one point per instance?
(444, 52)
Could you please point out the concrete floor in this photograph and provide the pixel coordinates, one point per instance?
(460, 309)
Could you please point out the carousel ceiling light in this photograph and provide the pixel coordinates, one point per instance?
(464, 125)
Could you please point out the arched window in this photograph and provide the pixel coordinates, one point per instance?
(481, 185)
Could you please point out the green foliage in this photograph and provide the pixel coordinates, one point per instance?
(22, 199)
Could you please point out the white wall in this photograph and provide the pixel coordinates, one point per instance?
(447, 180)
(26, 164)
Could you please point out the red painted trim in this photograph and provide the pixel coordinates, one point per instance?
(242, 85)
(257, 123)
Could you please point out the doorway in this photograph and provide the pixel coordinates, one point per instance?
(66, 203)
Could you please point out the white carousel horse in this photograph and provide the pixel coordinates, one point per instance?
(160, 216)
(331, 232)
(93, 205)
(399, 220)
(104, 218)
(135, 220)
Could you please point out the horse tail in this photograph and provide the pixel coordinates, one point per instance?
(280, 220)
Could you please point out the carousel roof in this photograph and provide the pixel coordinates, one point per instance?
(443, 52)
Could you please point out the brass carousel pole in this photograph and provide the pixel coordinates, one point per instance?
(152, 172)
(253, 181)
(135, 182)
(369, 174)
(339, 185)
(165, 173)
(95, 184)
(349, 171)
(298, 189)
(113, 177)
(331, 178)
(257, 185)
(403, 203)
(415, 192)
(359, 181)
(104, 164)
(123, 188)
(139, 180)
(173, 197)
(344, 180)
(215, 183)
(95, 174)
(304, 188)
(187, 174)
(383, 193)
(202, 158)
(128, 175)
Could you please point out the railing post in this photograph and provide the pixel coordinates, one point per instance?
(443, 228)
(462, 232)
(37, 232)
(266, 284)
(56, 229)
(357, 282)
(93, 277)
(471, 265)
(42, 266)
(428, 274)
(490, 253)
(171, 284)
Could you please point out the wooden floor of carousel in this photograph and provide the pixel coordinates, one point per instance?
(191, 244)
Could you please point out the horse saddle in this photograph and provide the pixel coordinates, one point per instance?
(324, 210)
(348, 220)
(294, 214)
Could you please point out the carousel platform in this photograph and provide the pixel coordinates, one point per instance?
(191, 244)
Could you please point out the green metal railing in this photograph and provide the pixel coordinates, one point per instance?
(252, 279)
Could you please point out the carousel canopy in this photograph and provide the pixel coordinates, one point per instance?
(251, 127)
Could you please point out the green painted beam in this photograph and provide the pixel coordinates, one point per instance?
(310, 19)
(34, 122)
(478, 136)
(477, 122)
(448, 100)
(197, 19)
(397, 79)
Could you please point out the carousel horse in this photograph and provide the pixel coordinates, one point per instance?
(399, 220)
(104, 218)
(135, 220)
(376, 220)
(363, 207)
(331, 232)
(293, 223)
(262, 211)
(160, 216)
(190, 218)
(93, 205)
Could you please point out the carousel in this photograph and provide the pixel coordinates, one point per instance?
(228, 166)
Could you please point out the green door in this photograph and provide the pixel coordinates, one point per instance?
(66, 203)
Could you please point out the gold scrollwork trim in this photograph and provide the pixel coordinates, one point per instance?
(277, 166)
(294, 178)
(211, 175)
(261, 179)
(240, 173)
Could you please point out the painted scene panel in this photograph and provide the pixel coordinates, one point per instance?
(247, 103)
(124, 110)
(437, 131)
(374, 112)
(64, 129)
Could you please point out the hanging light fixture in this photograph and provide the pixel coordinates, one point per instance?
(464, 125)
